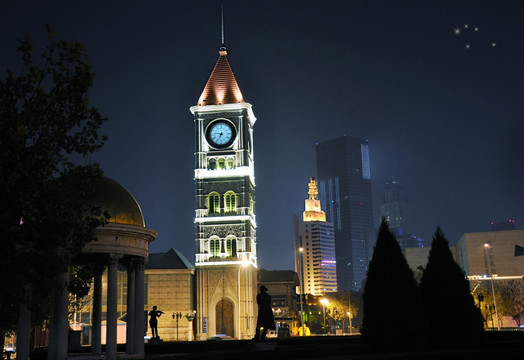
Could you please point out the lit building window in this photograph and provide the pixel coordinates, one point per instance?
(230, 202)
(221, 164)
(230, 163)
(231, 247)
(213, 202)
(214, 247)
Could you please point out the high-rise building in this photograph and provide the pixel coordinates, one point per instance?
(225, 224)
(315, 247)
(394, 208)
(345, 188)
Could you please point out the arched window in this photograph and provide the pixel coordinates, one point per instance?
(221, 164)
(212, 164)
(230, 202)
(213, 202)
(231, 247)
(214, 247)
(230, 163)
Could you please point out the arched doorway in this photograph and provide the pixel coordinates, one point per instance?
(224, 318)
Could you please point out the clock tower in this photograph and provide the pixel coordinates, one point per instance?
(225, 222)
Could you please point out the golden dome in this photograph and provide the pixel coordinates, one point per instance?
(119, 203)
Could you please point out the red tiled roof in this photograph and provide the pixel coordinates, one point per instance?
(222, 87)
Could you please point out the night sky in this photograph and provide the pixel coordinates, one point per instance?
(444, 119)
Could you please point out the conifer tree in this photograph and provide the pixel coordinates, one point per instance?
(391, 298)
(453, 318)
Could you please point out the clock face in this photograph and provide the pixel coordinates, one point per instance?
(221, 134)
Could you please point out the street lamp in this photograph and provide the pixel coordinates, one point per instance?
(350, 316)
(324, 303)
(177, 316)
(301, 283)
(486, 247)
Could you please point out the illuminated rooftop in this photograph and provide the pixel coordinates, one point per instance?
(119, 203)
(222, 87)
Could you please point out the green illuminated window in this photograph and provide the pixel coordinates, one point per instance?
(213, 202)
(230, 201)
(214, 247)
(232, 247)
(230, 163)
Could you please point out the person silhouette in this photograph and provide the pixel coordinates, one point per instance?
(153, 322)
(265, 318)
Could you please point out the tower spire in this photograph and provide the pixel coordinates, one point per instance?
(222, 22)
(313, 211)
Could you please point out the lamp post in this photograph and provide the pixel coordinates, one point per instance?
(350, 316)
(324, 302)
(486, 247)
(177, 316)
(301, 283)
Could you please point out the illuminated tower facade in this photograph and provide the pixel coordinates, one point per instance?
(225, 223)
(315, 247)
(345, 188)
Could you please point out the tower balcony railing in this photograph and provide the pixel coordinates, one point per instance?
(224, 257)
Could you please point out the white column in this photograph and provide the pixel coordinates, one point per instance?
(96, 328)
(51, 348)
(111, 308)
(130, 311)
(23, 334)
(59, 324)
(139, 309)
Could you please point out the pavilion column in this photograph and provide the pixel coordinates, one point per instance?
(139, 308)
(23, 334)
(58, 335)
(111, 329)
(130, 311)
(96, 328)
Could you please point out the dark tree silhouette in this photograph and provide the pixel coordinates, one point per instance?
(48, 127)
(391, 299)
(453, 318)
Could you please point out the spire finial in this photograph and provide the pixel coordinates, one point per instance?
(222, 18)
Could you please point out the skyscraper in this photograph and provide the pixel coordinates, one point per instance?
(315, 247)
(345, 188)
(394, 208)
(225, 225)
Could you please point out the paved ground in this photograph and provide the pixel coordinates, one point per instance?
(331, 348)
(497, 345)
